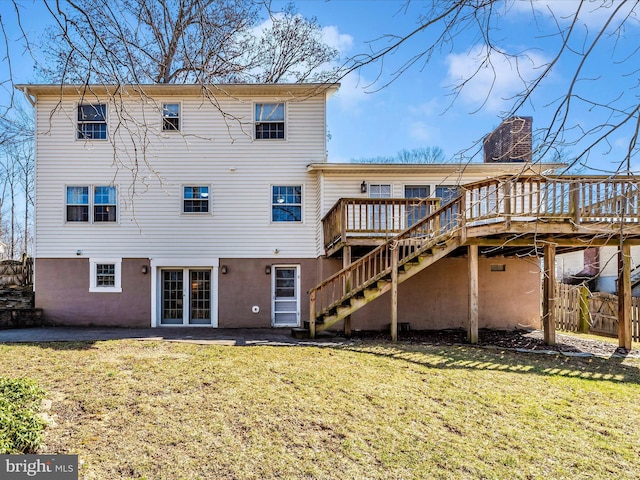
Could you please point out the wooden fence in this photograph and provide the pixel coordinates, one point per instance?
(579, 310)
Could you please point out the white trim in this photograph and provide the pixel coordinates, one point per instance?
(273, 295)
(93, 287)
(187, 262)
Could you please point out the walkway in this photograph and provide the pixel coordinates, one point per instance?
(208, 336)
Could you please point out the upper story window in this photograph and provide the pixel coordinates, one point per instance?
(77, 204)
(92, 122)
(195, 199)
(104, 204)
(269, 121)
(171, 117)
(101, 206)
(286, 203)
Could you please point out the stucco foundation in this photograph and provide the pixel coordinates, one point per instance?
(62, 291)
(246, 285)
(436, 298)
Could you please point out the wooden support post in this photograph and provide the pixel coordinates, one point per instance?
(472, 332)
(624, 296)
(548, 295)
(346, 261)
(312, 314)
(583, 320)
(394, 294)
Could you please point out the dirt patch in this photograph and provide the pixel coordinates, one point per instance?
(512, 339)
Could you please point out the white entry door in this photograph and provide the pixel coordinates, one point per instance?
(185, 296)
(286, 296)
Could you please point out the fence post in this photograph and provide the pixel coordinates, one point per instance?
(583, 318)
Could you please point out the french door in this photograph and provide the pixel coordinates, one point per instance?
(185, 296)
(286, 296)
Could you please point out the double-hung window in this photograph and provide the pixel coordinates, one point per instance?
(170, 117)
(269, 118)
(77, 204)
(286, 203)
(104, 204)
(92, 122)
(91, 204)
(195, 199)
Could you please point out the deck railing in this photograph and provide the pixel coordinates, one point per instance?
(579, 199)
(366, 271)
(373, 217)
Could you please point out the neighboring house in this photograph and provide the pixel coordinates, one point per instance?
(164, 205)
(598, 267)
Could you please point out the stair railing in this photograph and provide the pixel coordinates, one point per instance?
(364, 272)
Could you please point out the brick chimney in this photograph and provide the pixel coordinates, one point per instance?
(510, 142)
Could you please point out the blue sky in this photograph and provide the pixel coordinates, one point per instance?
(368, 119)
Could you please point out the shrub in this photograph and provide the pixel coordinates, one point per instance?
(20, 425)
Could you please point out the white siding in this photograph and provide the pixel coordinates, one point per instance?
(347, 185)
(150, 167)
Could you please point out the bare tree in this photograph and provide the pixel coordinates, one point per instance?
(474, 27)
(17, 176)
(179, 41)
(416, 155)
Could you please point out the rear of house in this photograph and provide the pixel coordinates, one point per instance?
(167, 205)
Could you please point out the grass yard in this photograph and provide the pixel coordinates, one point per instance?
(161, 410)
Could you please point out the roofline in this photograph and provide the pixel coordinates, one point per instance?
(169, 89)
(498, 168)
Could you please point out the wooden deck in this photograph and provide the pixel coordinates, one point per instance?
(496, 216)
(371, 221)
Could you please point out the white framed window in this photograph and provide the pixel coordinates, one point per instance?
(196, 199)
(106, 275)
(91, 204)
(286, 203)
(92, 122)
(170, 117)
(269, 121)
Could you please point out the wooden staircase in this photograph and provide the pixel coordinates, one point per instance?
(369, 277)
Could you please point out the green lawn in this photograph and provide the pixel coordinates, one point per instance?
(154, 410)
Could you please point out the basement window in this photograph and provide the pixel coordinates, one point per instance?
(105, 275)
(499, 267)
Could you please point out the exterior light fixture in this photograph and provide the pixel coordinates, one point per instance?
(144, 269)
(363, 187)
(224, 269)
(267, 269)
